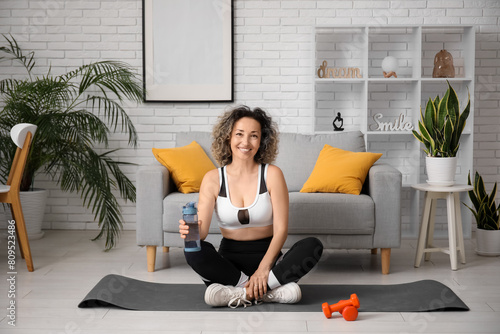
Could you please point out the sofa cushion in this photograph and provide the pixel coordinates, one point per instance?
(202, 138)
(328, 213)
(298, 153)
(339, 171)
(187, 164)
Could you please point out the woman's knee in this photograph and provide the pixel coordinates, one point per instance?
(306, 252)
(299, 260)
(195, 258)
(312, 246)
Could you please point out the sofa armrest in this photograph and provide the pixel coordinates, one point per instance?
(385, 189)
(152, 185)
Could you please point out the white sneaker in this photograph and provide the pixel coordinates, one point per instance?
(221, 295)
(286, 294)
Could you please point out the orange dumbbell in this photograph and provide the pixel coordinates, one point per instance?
(348, 308)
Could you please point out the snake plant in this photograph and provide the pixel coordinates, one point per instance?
(74, 112)
(485, 211)
(442, 125)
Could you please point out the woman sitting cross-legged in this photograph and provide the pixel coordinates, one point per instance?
(250, 198)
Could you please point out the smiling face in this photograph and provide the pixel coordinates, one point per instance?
(245, 138)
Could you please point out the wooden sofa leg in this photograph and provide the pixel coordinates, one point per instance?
(166, 249)
(386, 260)
(374, 251)
(151, 253)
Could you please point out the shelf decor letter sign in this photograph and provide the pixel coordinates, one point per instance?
(399, 124)
(338, 72)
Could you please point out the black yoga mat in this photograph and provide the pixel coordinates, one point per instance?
(132, 294)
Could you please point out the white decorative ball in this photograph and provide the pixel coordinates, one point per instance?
(390, 64)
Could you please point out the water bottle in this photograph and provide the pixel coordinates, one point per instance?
(190, 216)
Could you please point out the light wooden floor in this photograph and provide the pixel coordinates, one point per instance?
(68, 265)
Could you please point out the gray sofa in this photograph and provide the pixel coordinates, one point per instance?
(370, 220)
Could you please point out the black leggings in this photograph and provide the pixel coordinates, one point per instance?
(236, 257)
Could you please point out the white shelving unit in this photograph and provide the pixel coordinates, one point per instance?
(359, 99)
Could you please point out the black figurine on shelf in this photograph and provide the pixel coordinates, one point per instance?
(337, 120)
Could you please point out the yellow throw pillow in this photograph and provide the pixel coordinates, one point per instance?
(187, 164)
(339, 171)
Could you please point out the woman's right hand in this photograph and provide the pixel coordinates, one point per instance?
(183, 228)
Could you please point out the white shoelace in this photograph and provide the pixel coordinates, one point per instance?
(239, 301)
(272, 295)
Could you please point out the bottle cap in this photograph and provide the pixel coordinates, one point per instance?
(189, 209)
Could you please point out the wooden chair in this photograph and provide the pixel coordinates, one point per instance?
(21, 135)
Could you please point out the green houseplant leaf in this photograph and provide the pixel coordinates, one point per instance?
(75, 112)
(430, 117)
(442, 124)
(442, 111)
(484, 209)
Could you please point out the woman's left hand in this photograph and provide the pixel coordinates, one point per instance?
(257, 284)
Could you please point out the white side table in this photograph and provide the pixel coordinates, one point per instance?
(455, 234)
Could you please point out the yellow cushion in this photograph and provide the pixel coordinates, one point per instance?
(187, 165)
(339, 171)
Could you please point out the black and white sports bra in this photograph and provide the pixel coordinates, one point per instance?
(257, 214)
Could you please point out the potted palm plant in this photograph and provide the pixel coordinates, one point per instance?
(439, 129)
(75, 112)
(487, 215)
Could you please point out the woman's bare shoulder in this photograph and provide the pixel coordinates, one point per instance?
(275, 175)
(210, 181)
(274, 170)
(211, 177)
(213, 174)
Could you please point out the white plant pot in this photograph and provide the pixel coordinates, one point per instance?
(441, 171)
(33, 204)
(488, 242)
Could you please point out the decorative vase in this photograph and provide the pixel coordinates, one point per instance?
(441, 171)
(443, 65)
(488, 242)
(33, 204)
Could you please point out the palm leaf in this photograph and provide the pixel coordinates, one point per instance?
(15, 52)
(74, 112)
(114, 115)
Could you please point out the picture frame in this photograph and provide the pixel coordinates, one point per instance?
(188, 50)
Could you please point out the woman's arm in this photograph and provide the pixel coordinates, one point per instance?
(209, 190)
(278, 191)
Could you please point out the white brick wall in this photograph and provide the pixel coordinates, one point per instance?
(272, 68)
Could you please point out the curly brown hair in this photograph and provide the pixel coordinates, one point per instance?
(221, 147)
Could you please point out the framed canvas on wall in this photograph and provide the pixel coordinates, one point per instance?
(188, 50)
